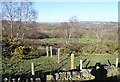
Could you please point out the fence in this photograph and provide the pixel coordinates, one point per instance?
(61, 75)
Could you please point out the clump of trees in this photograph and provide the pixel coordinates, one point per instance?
(17, 19)
(81, 49)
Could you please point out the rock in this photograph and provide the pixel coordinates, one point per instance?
(84, 72)
(49, 77)
(57, 76)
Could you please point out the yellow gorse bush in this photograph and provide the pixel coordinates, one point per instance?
(23, 51)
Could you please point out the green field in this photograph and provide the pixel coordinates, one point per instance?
(50, 63)
(43, 63)
(92, 58)
(61, 40)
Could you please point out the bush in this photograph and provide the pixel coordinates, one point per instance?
(24, 66)
(9, 45)
(67, 49)
(15, 49)
(40, 52)
(74, 48)
(23, 52)
(112, 47)
(12, 67)
(89, 49)
(101, 49)
(42, 36)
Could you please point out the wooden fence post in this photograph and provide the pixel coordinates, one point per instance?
(32, 68)
(27, 80)
(72, 61)
(13, 80)
(38, 80)
(80, 64)
(18, 80)
(51, 51)
(58, 55)
(9, 80)
(6, 80)
(31, 79)
(116, 65)
(47, 51)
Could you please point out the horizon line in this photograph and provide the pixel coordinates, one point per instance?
(68, 21)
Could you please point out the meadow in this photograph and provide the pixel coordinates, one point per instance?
(45, 63)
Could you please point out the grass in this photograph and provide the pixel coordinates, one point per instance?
(61, 40)
(97, 58)
(82, 40)
(93, 59)
(50, 63)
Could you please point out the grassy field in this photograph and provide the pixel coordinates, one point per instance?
(50, 63)
(61, 40)
(92, 58)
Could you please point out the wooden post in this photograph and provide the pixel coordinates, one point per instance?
(27, 80)
(31, 79)
(38, 80)
(18, 80)
(116, 63)
(6, 79)
(47, 51)
(13, 80)
(72, 61)
(51, 51)
(58, 55)
(80, 64)
(32, 68)
(9, 79)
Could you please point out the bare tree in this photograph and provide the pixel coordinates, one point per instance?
(69, 26)
(8, 14)
(64, 27)
(73, 22)
(19, 15)
(27, 15)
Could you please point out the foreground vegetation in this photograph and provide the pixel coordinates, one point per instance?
(50, 63)
(19, 61)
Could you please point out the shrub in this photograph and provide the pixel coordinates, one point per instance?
(9, 45)
(40, 52)
(74, 48)
(89, 49)
(112, 47)
(67, 49)
(14, 48)
(23, 52)
(42, 36)
(101, 49)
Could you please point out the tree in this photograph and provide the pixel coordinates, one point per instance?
(8, 9)
(66, 28)
(18, 16)
(73, 22)
(70, 26)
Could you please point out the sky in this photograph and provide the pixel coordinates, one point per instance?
(63, 0)
(84, 11)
